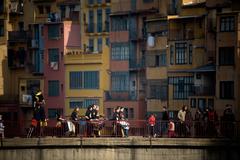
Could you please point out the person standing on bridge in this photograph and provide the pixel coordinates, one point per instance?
(151, 123)
(182, 125)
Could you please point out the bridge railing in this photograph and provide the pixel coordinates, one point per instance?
(108, 128)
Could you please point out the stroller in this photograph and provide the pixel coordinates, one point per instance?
(33, 127)
(70, 128)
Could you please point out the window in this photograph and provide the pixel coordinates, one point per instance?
(182, 87)
(202, 104)
(48, 9)
(226, 56)
(84, 80)
(99, 44)
(227, 24)
(171, 54)
(1, 7)
(91, 45)
(190, 50)
(108, 11)
(210, 103)
(53, 111)
(1, 28)
(99, 1)
(160, 60)
(91, 80)
(181, 49)
(158, 92)
(63, 11)
(129, 113)
(53, 88)
(53, 31)
(40, 10)
(147, 1)
(76, 80)
(226, 89)
(53, 55)
(84, 103)
(120, 81)
(99, 20)
(90, 2)
(107, 42)
(119, 23)
(75, 104)
(91, 21)
(120, 51)
(109, 113)
(193, 103)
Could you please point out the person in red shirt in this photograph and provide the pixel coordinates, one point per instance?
(151, 123)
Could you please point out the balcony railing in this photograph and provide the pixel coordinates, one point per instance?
(178, 34)
(136, 63)
(15, 36)
(107, 128)
(203, 91)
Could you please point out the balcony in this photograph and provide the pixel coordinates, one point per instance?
(203, 90)
(18, 36)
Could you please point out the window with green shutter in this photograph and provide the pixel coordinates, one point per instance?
(53, 88)
(53, 31)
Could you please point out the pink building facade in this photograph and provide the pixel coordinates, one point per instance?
(57, 38)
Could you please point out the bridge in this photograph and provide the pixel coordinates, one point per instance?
(134, 148)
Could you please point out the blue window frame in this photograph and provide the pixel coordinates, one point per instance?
(120, 81)
(53, 55)
(120, 51)
(76, 80)
(91, 45)
(91, 80)
(83, 103)
(84, 80)
(53, 88)
(91, 21)
(99, 20)
(182, 87)
(108, 12)
(53, 111)
(99, 44)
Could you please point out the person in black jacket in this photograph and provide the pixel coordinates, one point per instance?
(165, 119)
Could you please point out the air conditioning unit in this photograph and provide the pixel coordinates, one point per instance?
(54, 65)
(34, 43)
(26, 98)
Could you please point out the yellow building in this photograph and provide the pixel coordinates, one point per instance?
(86, 75)
(3, 47)
(86, 79)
